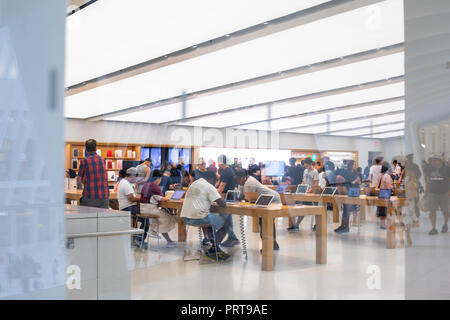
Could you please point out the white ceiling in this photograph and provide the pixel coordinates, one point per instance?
(316, 100)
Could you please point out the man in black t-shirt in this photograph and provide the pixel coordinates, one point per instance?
(295, 172)
(227, 182)
(438, 186)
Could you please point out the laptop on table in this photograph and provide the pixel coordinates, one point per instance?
(385, 194)
(281, 188)
(263, 201)
(354, 192)
(302, 189)
(329, 191)
(230, 196)
(177, 195)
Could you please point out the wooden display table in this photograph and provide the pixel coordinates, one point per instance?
(77, 194)
(394, 204)
(267, 214)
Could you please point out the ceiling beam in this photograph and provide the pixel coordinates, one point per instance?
(295, 19)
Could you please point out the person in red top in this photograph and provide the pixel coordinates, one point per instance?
(92, 175)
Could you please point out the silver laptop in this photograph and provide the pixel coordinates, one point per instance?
(230, 196)
(302, 189)
(263, 201)
(329, 191)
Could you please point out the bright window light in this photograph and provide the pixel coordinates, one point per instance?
(339, 35)
(244, 155)
(387, 135)
(111, 35)
(343, 76)
(319, 104)
(375, 130)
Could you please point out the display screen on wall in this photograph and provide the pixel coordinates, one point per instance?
(186, 155)
(174, 154)
(145, 153)
(274, 168)
(155, 156)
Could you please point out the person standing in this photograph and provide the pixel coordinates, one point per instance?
(201, 170)
(92, 175)
(438, 188)
(227, 182)
(351, 180)
(366, 172)
(295, 172)
(374, 173)
(411, 166)
(384, 182)
(311, 178)
(143, 174)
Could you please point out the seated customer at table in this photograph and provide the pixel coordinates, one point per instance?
(128, 199)
(198, 200)
(151, 194)
(250, 184)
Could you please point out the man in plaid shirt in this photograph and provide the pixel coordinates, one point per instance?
(92, 174)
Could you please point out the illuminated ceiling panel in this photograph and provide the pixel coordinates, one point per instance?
(115, 34)
(387, 135)
(339, 35)
(381, 129)
(341, 126)
(343, 76)
(289, 109)
(293, 123)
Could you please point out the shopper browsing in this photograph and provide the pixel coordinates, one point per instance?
(92, 175)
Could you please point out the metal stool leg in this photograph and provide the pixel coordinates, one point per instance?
(243, 240)
(215, 243)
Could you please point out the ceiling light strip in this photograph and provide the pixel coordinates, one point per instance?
(344, 120)
(331, 109)
(295, 19)
(310, 96)
(379, 133)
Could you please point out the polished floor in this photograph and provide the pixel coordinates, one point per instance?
(164, 275)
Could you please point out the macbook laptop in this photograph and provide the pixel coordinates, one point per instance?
(401, 193)
(281, 188)
(385, 194)
(302, 189)
(177, 195)
(263, 201)
(230, 196)
(329, 191)
(354, 192)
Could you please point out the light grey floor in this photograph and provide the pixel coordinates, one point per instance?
(164, 275)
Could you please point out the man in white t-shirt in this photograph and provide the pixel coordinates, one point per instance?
(311, 178)
(128, 199)
(197, 204)
(374, 173)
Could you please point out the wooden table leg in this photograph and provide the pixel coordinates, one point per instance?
(291, 222)
(335, 212)
(267, 242)
(181, 230)
(390, 230)
(362, 212)
(321, 238)
(255, 224)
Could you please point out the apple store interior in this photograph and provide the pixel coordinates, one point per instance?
(224, 150)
